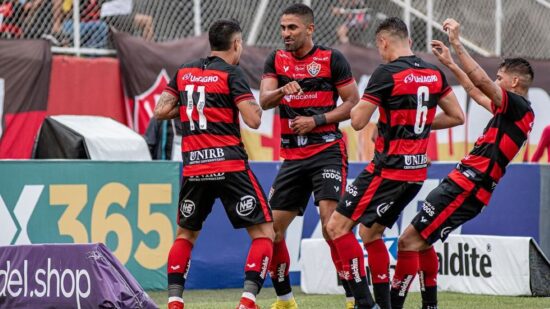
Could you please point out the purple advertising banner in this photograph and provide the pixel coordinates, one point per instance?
(67, 276)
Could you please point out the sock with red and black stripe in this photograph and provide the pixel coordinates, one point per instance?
(279, 267)
(379, 264)
(256, 267)
(179, 261)
(338, 264)
(405, 271)
(353, 268)
(429, 265)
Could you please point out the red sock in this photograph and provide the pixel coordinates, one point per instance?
(178, 262)
(278, 269)
(259, 256)
(351, 256)
(379, 261)
(405, 270)
(335, 257)
(429, 265)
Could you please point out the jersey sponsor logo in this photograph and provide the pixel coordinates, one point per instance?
(301, 140)
(383, 208)
(429, 209)
(313, 68)
(299, 68)
(187, 208)
(320, 58)
(206, 155)
(336, 188)
(415, 161)
(331, 174)
(208, 177)
(246, 206)
(329, 137)
(200, 79)
(285, 68)
(348, 203)
(411, 78)
(305, 96)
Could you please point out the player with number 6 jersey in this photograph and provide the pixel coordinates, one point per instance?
(406, 90)
(208, 95)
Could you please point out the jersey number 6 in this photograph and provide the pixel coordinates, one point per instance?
(200, 106)
(422, 95)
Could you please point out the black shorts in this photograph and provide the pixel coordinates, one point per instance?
(240, 193)
(372, 199)
(324, 174)
(447, 207)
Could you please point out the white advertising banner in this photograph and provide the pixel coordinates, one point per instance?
(473, 264)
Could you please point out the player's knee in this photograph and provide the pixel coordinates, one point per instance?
(334, 230)
(278, 235)
(409, 241)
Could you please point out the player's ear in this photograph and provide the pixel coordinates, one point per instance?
(310, 29)
(515, 81)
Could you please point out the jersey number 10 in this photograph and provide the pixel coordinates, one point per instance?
(422, 96)
(190, 89)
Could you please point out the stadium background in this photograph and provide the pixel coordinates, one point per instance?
(85, 80)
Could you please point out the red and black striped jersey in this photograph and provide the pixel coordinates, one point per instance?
(209, 90)
(406, 91)
(320, 73)
(501, 141)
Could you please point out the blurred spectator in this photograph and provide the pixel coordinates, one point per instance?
(356, 19)
(544, 144)
(93, 31)
(129, 16)
(159, 136)
(11, 12)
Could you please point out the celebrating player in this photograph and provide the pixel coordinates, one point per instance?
(305, 80)
(406, 90)
(207, 95)
(467, 189)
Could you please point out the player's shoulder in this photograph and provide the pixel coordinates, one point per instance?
(516, 99)
(192, 64)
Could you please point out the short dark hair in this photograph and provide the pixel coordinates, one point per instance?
(301, 10)
(395, 26)
(519, 66)
(220, 33)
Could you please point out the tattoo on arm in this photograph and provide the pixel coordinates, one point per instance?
(258, 109)
(166, 107)
(473, 70)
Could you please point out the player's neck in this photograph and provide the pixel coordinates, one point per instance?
(400, 52)
(304, 50)
(226, 56)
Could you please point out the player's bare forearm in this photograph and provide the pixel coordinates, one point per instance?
(167, 107)
(470, 88)
(270, 93)
(452, 114)
(251, 113)
(350, 97)
(361, 114)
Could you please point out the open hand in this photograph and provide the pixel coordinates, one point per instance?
(442, 52)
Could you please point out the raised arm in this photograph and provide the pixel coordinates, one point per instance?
(475, 73)
(167, 106)
(444, 56)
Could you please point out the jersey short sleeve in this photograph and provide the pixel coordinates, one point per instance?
(269, 66)
(513, 106)
(379, 87)
(340, 69)
(172, 86)
(239, 87)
